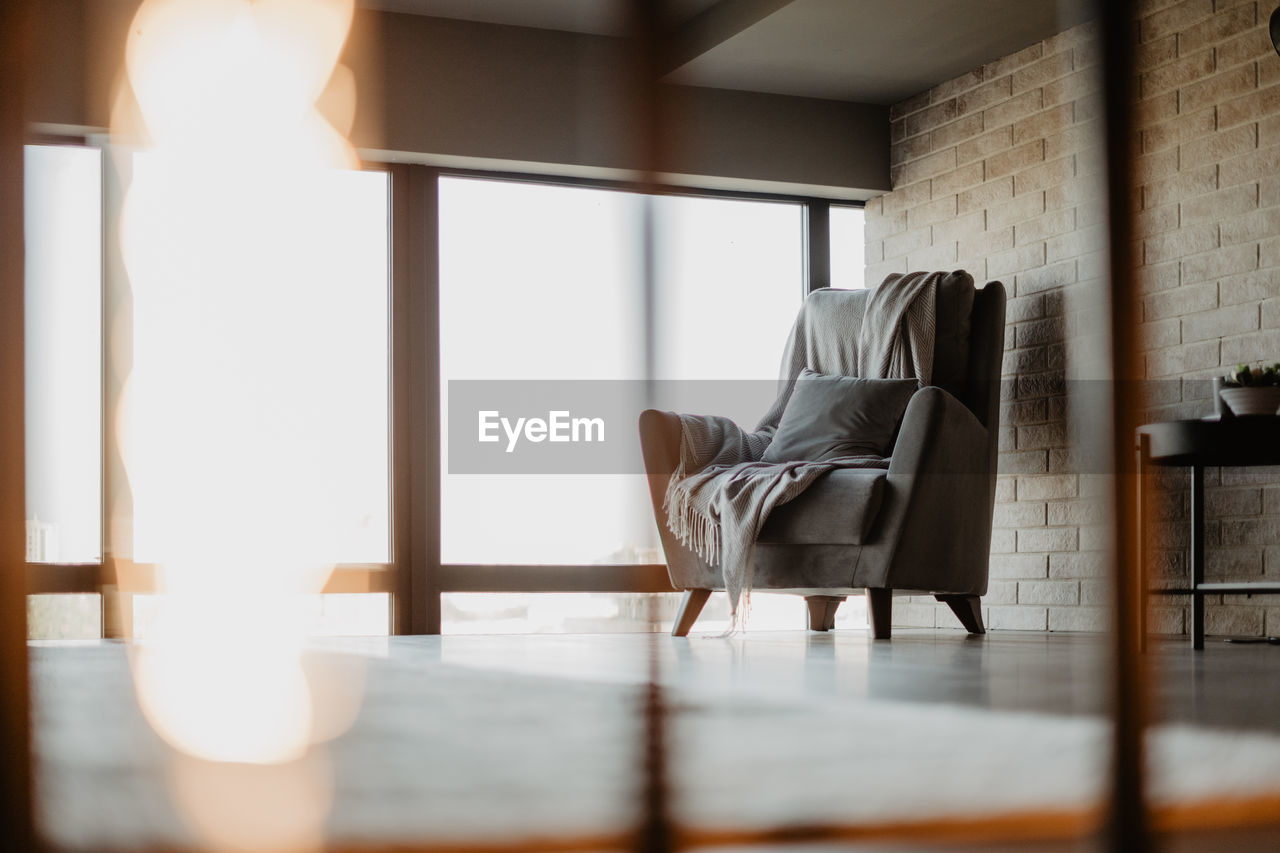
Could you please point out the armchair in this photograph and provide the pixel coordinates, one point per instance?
(923, 526)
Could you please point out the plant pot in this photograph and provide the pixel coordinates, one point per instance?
(1252, 401)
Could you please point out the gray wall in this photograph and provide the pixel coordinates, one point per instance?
(489, 96)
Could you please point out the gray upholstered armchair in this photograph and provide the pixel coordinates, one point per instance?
(922, 526)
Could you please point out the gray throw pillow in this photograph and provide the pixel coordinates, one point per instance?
(829, 417)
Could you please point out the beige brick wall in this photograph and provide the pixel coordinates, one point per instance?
(998, 172)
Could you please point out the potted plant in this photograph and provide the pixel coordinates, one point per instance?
(1252, 390)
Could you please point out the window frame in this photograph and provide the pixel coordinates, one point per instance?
(415, 577)
(426, 576)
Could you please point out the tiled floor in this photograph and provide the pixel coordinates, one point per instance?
(1047, 675)
(1227, 686)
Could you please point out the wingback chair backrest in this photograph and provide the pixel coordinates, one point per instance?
(969, 341)
(986, 353)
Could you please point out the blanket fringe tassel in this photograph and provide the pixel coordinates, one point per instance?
(700, 533)
(694, 530)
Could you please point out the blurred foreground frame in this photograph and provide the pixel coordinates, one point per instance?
(16, 812)
(1127, 826)
(16, 776)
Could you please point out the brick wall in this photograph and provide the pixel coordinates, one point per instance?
(998, 172)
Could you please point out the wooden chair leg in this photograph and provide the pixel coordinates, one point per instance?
(880, 611)
(690, 606)
(822, 611)
(968, 609)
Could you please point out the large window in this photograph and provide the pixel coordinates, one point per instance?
(543, 282)
(538, 282)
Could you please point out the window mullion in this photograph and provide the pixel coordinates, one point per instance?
(817, 244)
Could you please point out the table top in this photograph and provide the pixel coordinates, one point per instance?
(1252, 440)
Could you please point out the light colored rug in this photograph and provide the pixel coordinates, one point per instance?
(449, 754)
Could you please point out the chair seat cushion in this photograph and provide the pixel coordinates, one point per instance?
(838, 508)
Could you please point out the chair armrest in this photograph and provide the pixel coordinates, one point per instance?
(935, 525)
(939, 435)
(660, 437)
(660, 434)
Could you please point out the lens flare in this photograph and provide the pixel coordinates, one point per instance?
(225, 241)
(241, 808)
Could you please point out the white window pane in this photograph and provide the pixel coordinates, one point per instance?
(231, 369)
(848, 248)
(539, 282)
(63, 222)
(729, 282)
(543, 282)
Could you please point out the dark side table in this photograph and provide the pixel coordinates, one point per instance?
(1196, 444)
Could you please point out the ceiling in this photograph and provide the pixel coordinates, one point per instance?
(870, 51)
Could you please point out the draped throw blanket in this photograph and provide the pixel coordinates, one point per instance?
(721, 493)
